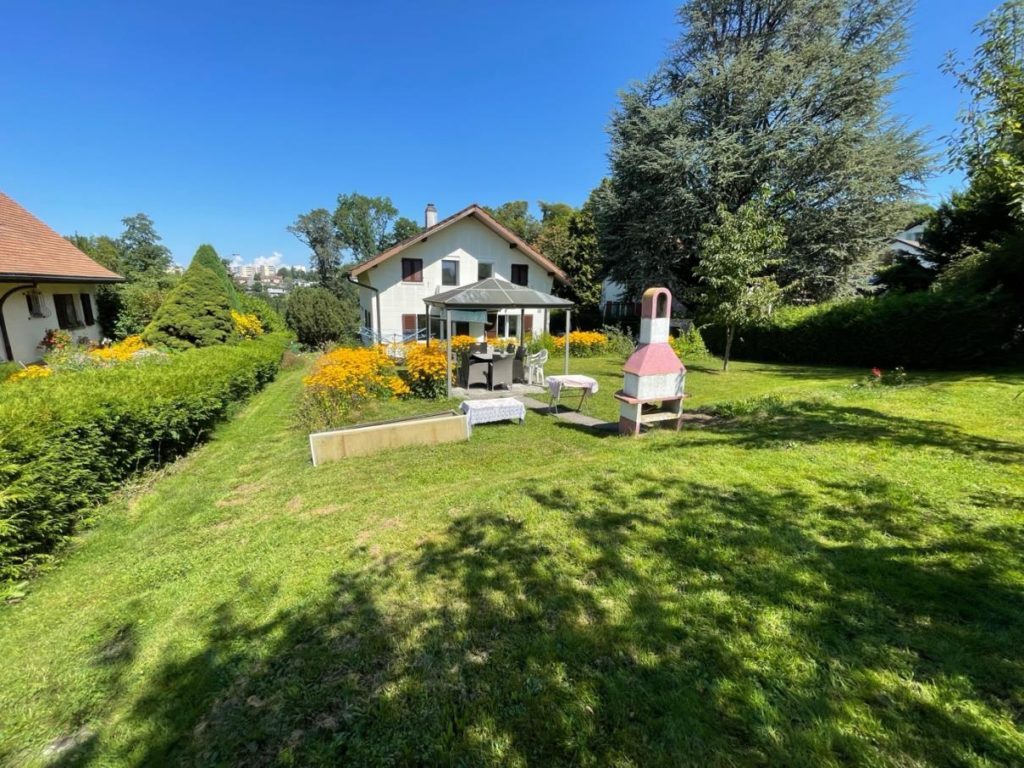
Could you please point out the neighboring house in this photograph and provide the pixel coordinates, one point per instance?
(908, 243)
(617, 307)
(465, 248)
(45, 283)
(614, 304)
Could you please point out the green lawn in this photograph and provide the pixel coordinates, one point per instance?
(834, 576)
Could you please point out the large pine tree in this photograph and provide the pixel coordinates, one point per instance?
(788, 93)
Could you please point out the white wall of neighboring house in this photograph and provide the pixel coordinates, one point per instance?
(470, 243)
(26, 331)
(908, 243)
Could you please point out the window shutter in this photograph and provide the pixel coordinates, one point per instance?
(527, 324)
(87, 316)
(408, 324)
(62, 311)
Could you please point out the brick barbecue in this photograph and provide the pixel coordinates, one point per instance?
(654, 375)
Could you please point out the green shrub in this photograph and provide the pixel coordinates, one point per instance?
(620, 342)
(269, 317)
(542, 341)
(317, 317)
(68, 441)
(941, 329)
(197, 313)
(689, 345)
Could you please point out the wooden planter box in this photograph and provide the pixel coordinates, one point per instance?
(367, 439)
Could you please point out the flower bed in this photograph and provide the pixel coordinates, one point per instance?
(67, 441)
(583, 343)
(345, 378)
(425, 368)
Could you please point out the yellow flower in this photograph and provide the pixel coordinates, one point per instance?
(31, 372)
(120, 352)
(583, 342)
(247, 326)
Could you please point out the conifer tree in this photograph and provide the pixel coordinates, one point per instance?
(789, 93)
(196, 313)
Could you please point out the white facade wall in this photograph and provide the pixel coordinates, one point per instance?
(26, 332)
(467, 241)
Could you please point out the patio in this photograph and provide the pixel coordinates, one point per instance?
(484, 365)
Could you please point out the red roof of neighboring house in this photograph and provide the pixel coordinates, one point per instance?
(30, 250)
(487, 220)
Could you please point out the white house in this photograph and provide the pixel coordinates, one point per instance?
(465, 248)
(45, 283)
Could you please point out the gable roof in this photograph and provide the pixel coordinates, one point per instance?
(484, 218)
(30, 250)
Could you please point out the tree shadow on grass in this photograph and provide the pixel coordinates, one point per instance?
(666, 624)
(774, 422)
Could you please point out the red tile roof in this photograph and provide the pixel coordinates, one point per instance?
(487, 220)
(30, 250)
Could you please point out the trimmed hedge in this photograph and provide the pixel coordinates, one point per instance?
(942, 329)
(66, 442)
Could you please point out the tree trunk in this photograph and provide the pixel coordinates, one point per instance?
(728, 347)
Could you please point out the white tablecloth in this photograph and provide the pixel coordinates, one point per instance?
(571, 381)
(493, 409)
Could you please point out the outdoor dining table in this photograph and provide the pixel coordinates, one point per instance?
(556, 384)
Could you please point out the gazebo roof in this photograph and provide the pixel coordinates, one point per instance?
(495, 293)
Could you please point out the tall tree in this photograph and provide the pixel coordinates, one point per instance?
(363, 225)
(404, 229)
(140, 250)
(791, 93)
(316, 230)
(734, 283)
(516, 216)
(990, 144)
(100, 248)
(569, 238)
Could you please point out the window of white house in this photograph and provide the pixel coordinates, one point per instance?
(412, 270)
(67, 311)
(449, 272)
(484, 270)
(35, 304)
(520, 274)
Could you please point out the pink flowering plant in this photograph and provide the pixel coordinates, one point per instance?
(877, 377)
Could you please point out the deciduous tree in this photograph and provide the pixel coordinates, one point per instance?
(735, 286)
(363, 225)
(140, 250)
(516, 216)
(316, 230)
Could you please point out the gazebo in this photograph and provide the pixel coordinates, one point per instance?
(493, 294)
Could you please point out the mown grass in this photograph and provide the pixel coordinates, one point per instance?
(830, 576)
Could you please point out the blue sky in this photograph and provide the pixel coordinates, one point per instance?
(223, 121)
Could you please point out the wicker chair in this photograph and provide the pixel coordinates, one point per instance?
(519, 365)
(501, 373)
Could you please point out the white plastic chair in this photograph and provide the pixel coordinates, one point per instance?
(535, 367)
